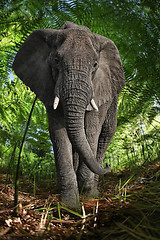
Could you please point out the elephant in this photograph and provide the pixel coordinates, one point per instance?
(78, 75)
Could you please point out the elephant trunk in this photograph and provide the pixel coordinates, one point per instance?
(76, 97)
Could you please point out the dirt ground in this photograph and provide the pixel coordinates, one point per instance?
(120, 213)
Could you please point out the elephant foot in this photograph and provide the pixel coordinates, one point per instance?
(90, 192)
(88, 189)
(70, 198)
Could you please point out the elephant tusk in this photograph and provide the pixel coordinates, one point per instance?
(55, 103)
(93, 104)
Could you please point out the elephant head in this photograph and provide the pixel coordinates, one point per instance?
(76, 69)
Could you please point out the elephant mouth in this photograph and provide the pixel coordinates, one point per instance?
(91, 104)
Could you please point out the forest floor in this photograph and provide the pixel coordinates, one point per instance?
(128, 209)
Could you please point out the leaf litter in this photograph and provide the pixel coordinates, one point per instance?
(129, 208)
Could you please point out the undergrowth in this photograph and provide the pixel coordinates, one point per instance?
(129, 208)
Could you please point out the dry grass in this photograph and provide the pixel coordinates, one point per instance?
(129, 209)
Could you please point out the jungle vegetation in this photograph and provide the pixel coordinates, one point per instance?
(134, 26)
(130, 207)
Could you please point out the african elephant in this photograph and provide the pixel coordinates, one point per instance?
(78, 76)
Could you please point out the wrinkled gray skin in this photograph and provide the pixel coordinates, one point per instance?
(74, 66)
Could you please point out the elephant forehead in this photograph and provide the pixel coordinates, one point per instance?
(76, 40)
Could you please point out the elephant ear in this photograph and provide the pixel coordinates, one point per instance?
(109, 77)
(31, 65)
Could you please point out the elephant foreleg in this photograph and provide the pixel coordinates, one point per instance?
(65, 171)
(66, 175)
(85, 176)
(107, 133)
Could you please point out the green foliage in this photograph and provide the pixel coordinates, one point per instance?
(134, 27)
(135, 142)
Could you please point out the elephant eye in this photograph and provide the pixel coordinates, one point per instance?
(95, 65)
